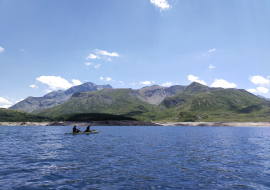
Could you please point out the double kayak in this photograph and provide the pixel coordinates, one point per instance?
(92, 132)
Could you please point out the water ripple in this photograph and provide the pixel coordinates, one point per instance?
(135, 158)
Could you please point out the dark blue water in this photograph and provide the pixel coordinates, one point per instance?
(135, 158)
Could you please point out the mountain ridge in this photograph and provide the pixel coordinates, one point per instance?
(37, 104)
(195, 102)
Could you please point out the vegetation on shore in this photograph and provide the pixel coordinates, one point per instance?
(7, 115)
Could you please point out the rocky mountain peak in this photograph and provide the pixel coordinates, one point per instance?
(55, 98)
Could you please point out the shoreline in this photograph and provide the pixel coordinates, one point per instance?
(138, 123)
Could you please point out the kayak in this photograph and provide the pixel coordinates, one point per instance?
(93, 132)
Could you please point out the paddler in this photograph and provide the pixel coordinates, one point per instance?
(88, 129)
(75, 130)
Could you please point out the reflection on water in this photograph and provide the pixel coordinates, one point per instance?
(135, 158)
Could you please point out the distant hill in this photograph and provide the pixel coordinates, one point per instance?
(194, 102)
(7, 115)
(55, 98)
(110, 101)
(201, 103)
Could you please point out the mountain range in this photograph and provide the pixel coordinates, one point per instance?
(55, 98)
(195, 102)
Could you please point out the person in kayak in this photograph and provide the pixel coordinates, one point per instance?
(75, 130)
(88, 129)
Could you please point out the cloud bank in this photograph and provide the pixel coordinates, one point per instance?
(4, 103)
(145, 82)
(260, 90)
(259, 80)
(57, 82)
(223, 84)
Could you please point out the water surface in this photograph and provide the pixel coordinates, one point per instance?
(125, 157)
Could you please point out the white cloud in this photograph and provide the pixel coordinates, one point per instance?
(92, 56)
(153, 81)
(4, 101)
(109, 59)
(97, 66)
(33, 86)
(145, 82)
(195, 79)
(162, 4)
(211, 50)
(167, 84)
(108, 78)
(48, 91)
(259, 80)
(223, 84)
(102, 52)
(262, 90)
(252, 90)
(5, 106)
(211, 66)
(1, 49)
(76, 82)
(132, 84)
(122, 82)
(57, 82)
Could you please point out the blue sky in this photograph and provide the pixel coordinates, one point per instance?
(51, 45)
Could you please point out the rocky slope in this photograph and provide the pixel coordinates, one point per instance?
(55, 98)
(155, 94)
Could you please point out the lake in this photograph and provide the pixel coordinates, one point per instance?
(125, 157)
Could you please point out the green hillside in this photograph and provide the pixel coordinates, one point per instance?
(221, 105)
(7, 115)
(110, 101)
(195, 102)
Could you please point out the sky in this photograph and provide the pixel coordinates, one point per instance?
(51, 45)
